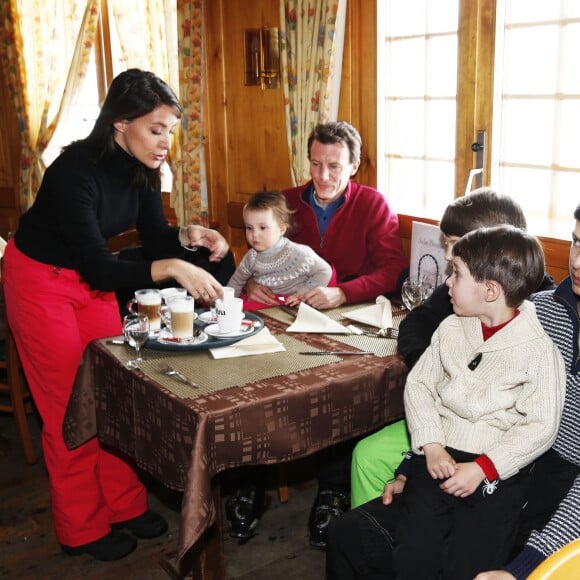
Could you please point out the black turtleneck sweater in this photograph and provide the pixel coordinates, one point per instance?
(81, 203)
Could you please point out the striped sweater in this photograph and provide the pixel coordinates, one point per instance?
(559, 315)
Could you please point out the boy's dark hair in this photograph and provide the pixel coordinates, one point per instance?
(481, 208)
(577, 213)
(275, 201)
(506, 254)
(337, 132)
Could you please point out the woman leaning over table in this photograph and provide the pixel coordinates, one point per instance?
(59, 281)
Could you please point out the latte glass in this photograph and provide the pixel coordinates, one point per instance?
(179, 316)
(147, 302)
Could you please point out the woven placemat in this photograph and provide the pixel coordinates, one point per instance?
(378, 345)
(215, 375)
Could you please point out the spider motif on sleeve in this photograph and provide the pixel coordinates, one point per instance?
(489, 487)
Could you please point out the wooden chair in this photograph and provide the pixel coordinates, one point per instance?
(562, 565)
(20, 403)
(12, 381)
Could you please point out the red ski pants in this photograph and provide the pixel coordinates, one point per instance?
(53, 315)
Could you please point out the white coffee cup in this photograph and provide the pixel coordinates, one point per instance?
(167, 293)
(148, 302)
(229, 314)
(228, 293)
(179, 316)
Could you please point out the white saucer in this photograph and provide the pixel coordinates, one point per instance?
(165, 337)
(214, 330)
(207, 318)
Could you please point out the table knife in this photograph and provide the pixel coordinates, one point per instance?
(336, 352)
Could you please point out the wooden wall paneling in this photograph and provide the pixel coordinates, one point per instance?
(358, 100)
(246, 129)
(8, 217)
(474, 85)
(256, 128)
(9, 151)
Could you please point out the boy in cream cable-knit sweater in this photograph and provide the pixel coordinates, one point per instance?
(482, 403)
(287, 268)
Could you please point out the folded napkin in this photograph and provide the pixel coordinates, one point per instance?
(379, 314)
(309, 319)
(260, 343)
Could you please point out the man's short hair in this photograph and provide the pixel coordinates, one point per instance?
(481, 208)
(577, 213)
(506, 254)
(337, 132)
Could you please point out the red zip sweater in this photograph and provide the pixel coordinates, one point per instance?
(362, 240)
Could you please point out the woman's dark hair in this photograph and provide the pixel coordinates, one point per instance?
(478, 209)
(506, 254)
(337, 132)
(274, 200)
(132, 94)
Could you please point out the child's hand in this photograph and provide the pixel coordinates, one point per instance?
(259, 293)
(465, 481)
(293, 300)
(440, 464)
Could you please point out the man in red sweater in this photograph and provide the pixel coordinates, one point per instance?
(352, 227)
(349, 225)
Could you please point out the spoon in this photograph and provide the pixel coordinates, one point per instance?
(171, 372)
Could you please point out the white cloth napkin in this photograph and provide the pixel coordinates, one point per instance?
(309, 319)
(260, 343)
(379, 314)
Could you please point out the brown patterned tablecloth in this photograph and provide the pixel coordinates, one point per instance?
(269, 409)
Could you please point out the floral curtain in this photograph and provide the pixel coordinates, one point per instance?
(190, 181)
(43, 72)
(311, 43)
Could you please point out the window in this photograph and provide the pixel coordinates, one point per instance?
(417, 86)
(111, 55)
(537, 111)
(531, 114)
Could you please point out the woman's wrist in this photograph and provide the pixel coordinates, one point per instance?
(184, 240)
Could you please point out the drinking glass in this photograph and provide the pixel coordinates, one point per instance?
(412, 293)
(136, 331)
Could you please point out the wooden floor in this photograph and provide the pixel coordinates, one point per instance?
(28, 548)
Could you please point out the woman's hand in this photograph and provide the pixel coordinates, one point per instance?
(199, 283)
(323, 298)
(198, 236)
(393, 488)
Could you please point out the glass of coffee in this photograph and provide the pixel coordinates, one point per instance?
(179, 316)
(147, 302)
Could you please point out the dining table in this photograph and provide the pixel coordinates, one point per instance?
(253, 410)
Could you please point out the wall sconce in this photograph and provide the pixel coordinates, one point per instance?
(262, 50)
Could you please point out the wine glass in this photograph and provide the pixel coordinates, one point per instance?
(136, 331)
(412, 293)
